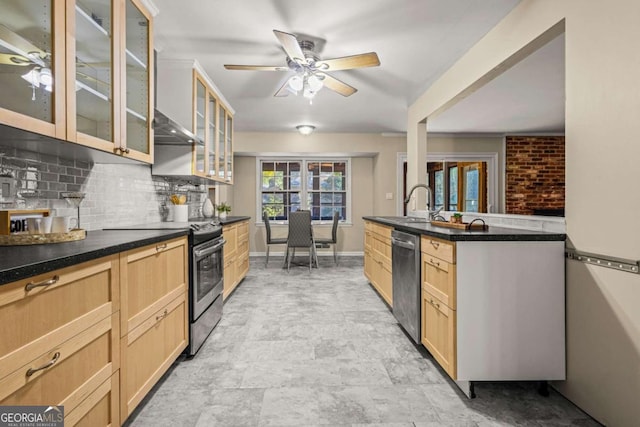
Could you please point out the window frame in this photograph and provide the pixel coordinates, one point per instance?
(304, 161)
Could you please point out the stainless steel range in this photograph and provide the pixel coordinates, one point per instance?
(206, 265)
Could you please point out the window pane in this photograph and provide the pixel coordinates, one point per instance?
(471, 190)
(326, 181)
(295, 180)
(453, 188)
(439, 190)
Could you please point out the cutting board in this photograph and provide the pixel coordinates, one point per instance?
(476, 226)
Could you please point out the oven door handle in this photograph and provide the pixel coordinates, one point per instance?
(208, 251)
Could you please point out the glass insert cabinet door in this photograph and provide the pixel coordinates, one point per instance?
(221, 141)
(32, 66)
(211, 146)
(95, 69)
(229, 150)
(200, 126)
(137, 79)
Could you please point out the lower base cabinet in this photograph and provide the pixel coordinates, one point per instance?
(150, 349)
(154, 285)
(439, 332)
(95, 337)
(377, 259)
(236, 255)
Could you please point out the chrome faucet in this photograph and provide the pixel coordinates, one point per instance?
(431, 213)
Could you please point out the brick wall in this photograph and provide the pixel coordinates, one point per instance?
(535, 174)
(115, 194)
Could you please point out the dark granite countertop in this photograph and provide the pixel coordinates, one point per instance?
(232, 219)
(20, 262)
(492, 234)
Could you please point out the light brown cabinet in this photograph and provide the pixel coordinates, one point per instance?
(154, 310)
(236, 255)
(377, 259)
(439, 301)
(87, 78)
(188, 96)
(63, 347)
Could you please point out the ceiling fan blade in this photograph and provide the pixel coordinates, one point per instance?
(285, 90)
(21, 46)
(290, 45)
(337, 86)
(349, 62)
(12, 59)
(255, 67)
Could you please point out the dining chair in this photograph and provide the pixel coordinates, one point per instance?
(300, 236)
(271, 240)
(333, 240)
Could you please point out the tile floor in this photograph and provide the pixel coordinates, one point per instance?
(301, 349)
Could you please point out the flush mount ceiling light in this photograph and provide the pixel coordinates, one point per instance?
(305, 129)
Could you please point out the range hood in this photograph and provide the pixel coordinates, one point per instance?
(169, 132)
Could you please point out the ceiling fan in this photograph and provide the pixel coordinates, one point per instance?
(311, 72)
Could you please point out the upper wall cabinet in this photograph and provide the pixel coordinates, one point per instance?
(79, 70)
(32, 66)
(187, 95)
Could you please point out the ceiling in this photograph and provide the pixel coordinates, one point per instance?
(416, 41)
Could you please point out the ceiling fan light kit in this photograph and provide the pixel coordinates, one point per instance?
(311, 72)
(305, 129)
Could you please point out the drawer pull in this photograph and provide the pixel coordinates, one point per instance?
(49, 364)
(434, 262)
(434, 304)
(162, 315)
(49, 282)
(161, 247)
(434, 244)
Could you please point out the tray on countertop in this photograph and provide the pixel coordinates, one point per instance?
(468, 226)
(22, 239)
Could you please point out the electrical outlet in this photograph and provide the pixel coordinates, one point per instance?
(389, 196)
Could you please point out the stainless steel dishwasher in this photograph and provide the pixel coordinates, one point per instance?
(405, 261)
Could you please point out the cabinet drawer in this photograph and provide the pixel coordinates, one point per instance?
(100, 408)
(242, 267)
(152, 276)
(439, 248)
(243, 230)
(439, 278)
(68, 372)
(150, 349)
(383, 231)
(243, 248)
(49, 309)
(439, 332)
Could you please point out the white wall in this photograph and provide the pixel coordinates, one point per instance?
(602, 127)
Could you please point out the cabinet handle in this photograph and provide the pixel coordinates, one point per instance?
(434, 304)
(161, 247)
(126, 151)
(49, 364)
(162, 315)
(434, 244)
(434, 262)
(49, 282)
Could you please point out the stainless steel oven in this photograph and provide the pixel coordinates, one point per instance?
(206, 288)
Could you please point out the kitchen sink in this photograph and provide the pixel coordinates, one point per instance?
(412, 220)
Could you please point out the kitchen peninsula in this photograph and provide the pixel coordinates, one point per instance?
(492, 302)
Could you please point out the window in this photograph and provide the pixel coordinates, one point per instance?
(320, 186)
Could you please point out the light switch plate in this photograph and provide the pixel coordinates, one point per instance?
(389, 196)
